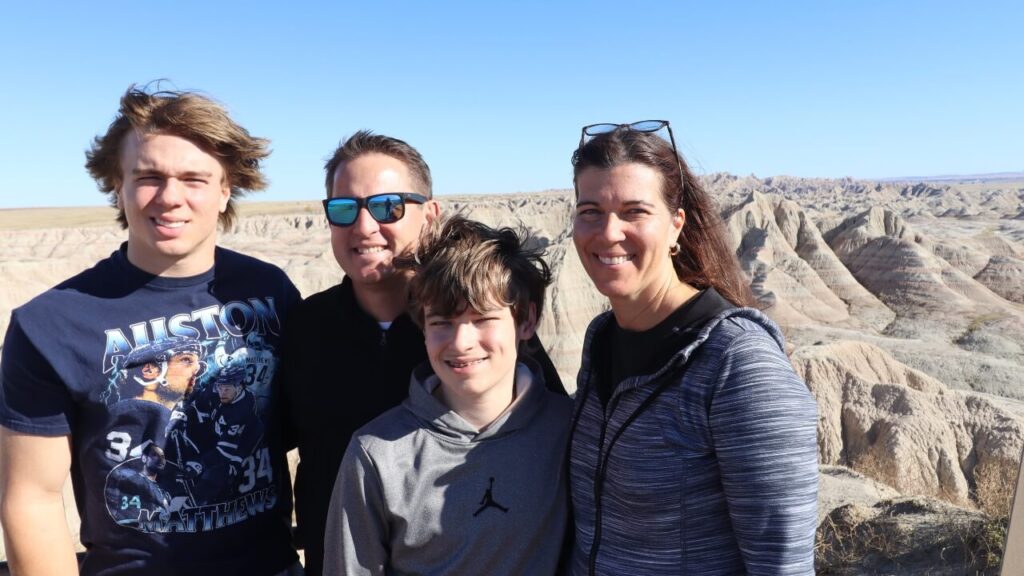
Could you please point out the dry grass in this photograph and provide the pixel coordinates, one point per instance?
(994, 486)
(907, 538)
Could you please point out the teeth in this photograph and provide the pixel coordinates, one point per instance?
(615, 260)
(170, 223)
(371, 250)
(464, 364)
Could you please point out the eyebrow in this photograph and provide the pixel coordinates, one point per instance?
(190, 173)
(626, 203)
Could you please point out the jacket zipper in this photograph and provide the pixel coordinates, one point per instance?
(602, 461)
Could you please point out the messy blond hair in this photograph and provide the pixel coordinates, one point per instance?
(462, 263)
(187, 115)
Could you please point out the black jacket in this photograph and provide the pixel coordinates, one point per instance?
(342, 370)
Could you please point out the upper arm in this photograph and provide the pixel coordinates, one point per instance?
(356, 540)
(32, 466)
(764, 428)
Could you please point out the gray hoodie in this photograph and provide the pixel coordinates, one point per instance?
(421, 491)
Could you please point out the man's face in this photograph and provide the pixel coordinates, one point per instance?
(227, 392)
(365, 249)
(153, 462)
(172, 194)
(181, 370)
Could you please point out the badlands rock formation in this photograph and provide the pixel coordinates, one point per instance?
(902, 304)
(907, 429)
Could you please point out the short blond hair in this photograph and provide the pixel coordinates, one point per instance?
(188, 115)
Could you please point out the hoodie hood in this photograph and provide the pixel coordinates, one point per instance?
(445, 422)
(703, 333)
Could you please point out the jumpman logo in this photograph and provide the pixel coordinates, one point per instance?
(488, 500)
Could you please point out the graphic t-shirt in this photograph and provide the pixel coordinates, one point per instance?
(166, 387)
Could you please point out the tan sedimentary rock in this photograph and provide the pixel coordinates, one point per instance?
(793, 270)
(1004, 275)
(903, 427)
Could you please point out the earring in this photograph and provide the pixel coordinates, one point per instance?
(674, 249)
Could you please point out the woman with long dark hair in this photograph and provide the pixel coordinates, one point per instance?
(694, 446)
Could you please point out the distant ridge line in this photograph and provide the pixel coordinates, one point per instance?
(989, 177)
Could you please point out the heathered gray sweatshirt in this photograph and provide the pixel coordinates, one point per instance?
(421, 491)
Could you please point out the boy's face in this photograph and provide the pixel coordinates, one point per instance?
(474, 353)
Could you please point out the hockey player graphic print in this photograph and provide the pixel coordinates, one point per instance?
(134, 488)
(162, 372)
(188, 432)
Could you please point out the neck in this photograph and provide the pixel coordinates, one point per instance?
(479, 410)
(170, 266)
(651, 308)
(384, 301)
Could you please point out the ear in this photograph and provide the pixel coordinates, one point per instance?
(678, 221)
(431, 210)
(225, 196)
(528, 327)
(118, 198)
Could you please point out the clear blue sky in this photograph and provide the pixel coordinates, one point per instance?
(494, 93)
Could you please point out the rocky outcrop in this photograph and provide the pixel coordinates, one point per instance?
(904, 428)
(793, 271)
(1004, 275)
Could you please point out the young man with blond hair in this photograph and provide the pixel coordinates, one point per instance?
(155, 311)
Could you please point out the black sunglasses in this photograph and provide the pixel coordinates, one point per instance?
(592, 130)
(385, 208)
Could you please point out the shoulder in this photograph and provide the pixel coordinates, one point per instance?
(312, 310)
(743, 332)
(386, 433)
(81, 285)
(231, 262)
(238, 275)
(330, 298)
(48, 314)
(556, 408)
(597, 324)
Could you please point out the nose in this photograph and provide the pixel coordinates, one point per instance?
(464, 337)
(611, 228)
(365, 224)
(172, 192)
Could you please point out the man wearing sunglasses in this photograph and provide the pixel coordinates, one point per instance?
(156, 313)
(350, 350)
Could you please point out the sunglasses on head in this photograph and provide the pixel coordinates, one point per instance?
(385, 208)
(589, 132)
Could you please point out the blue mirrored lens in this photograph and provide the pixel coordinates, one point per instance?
(386, 208)
(342, 211)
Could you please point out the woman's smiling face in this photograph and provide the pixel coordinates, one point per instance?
(623, 231)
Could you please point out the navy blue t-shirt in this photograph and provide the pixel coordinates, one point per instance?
(136, 369)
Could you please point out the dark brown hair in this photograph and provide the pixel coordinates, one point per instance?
(463, 263)
(704, 259)
(187, 115)
(366, 142)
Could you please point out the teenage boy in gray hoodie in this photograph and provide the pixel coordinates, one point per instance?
(467, 475)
